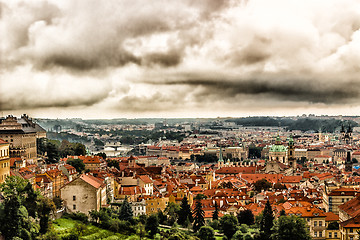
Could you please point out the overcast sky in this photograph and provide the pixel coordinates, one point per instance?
(179, 58)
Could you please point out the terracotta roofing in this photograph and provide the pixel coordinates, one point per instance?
(343, 192)
(145, 179)
(330, 217)
(93, 181)
(352, 207)
(351, 223)
(3, 142)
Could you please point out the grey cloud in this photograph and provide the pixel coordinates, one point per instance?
(22, 102)
(282, 89)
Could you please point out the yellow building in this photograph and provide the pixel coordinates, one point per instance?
(4, 160)
(334, 198)
(155, 204)
(349, 228)
(21, 134)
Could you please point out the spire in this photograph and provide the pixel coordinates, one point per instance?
(220, 156)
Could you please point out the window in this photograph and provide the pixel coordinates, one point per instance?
(351, 230)
(335, 234)
(315, 223)
(315, 234)
(320, 234)
(74, 198)
(342, 200)
(320, 223)
(330, 235)
(74, 207)
(351, 238)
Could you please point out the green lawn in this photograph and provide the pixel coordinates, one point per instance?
(63, 226)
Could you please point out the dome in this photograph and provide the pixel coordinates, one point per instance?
(278, 148)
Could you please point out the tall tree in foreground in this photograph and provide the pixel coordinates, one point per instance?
(152, 224)
(267, 222)
(199, 214)
(246, 217)
(228, 224)
(215, 215)
(126, 212)
(185, 212)
(290, 227)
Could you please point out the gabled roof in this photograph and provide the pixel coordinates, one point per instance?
(352, 207)
(93, 181)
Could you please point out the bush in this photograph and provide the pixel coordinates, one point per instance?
(215, 224)
(77, 216)
(206, 233)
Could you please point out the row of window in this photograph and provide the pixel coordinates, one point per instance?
(320, 223)
(335, 234)
(318, 234)
(4, 153)
(4, 176)
(4, 165)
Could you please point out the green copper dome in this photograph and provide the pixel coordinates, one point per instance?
(278, 148)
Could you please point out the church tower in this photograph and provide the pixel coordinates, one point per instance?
(291, 153)
(221, 160)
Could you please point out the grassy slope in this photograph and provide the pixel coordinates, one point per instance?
(63, 226)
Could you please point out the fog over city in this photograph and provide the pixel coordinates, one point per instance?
(208, 58)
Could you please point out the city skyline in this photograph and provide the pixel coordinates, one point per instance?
(176, 59)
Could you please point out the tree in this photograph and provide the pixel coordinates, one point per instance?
(282, 212)
(45, 207)
(152, 224)
(101, 154)
(52, 152)
(58, 202)
(172, 211)
(290, 227)
(126, 212)
(206, 233)
(246, 217)
(185, 212)
(215, 215)
(267, 222)
(262, 184)
(228, 225)
(199, 214)
(79, 149)
(113, 163)
(78, 164)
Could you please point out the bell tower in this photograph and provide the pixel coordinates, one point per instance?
(291, 153)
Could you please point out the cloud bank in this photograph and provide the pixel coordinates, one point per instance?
(131, 57)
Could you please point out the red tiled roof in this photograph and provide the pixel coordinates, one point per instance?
(93, 181)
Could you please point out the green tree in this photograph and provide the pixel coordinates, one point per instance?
(185, 212)
(113, 163)
(267, 222)
(77, 163)
(102, 154)
(45, 207)
(126, 212)
(172, 212)
(282, 212)
(152, 225)
(206, 233)
(79, 149)
(52, 152)
(58, 202)
(228, 225)
(199, 214)
(246, 217)
(290, 227)
(215, 215)
(262, 184)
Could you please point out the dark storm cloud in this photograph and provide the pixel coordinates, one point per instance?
(285, 89)
(21, 102)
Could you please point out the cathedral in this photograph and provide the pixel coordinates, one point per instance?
(346, 136)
